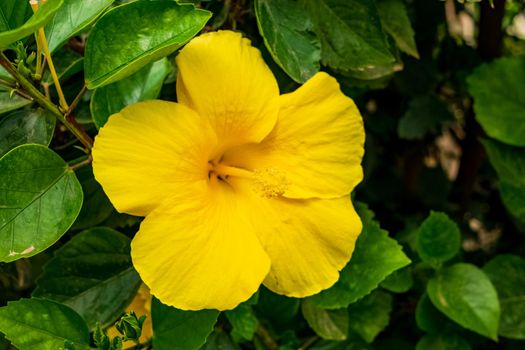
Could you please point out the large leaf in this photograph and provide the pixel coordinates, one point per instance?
(92, 274)
(175, 329)
(142, 85)
(370, 315)
(13, 13)
(287, 31)
(67, 63)
(375, 257)
(499, 99)
(395, 21)
(507, 273)
(328, 324)
(442, 341)
(350, 33)
(36, 324)
(32, 126)
(509, 163)
(39, 19)
(11, 101)
(219, 340)
(71, 18)
(40, 197)
(132, 35)
(438, 239)
(465, 294)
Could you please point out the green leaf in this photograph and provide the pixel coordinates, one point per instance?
(243, 321)
(42, 324)
(143, 85)
(287, 31)
(399, 281)
(39, 19)
(465, 294)
(499, 96)
(370, 315)
(71, 18)
(450, 341)
(328, 324)
(428, 318)
(175, 329)
(13, 13)
(375, 257)
(279, 310)
(96, 206)
(40, 198)
(31, 126)
(92, 274)
(11, 101)
(507, 273)
(395, 21)
(130, 36)
(220, 340)
(350, 33)
(438, 239)
(67, 62)
(424, 116)
(509, 163)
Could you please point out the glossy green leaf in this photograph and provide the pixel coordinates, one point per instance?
(450, 341)
(40, 198)
(71, 18)
(175, 329)
(438, 239)
(425, 115)
(395, 21)
(288, 34)
(399, 281)
(30, 126)
(39, 19)
(350, 33)
(509, 163)
(328, 324)
(465, 294)
(375, 257)
(507, 273)
(92, 274)
(13, 13)
(130, 36)
(37, 324)
(498, 92)
(11, 101)
(142, 85)
(370, 315)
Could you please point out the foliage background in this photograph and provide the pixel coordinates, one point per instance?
(441, 86)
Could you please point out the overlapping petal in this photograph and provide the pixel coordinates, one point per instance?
(222, 77)
(144, 153)
(196, 250)
(317, 142)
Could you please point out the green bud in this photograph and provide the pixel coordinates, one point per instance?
(130, 326)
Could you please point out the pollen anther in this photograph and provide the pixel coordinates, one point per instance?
(270, 182)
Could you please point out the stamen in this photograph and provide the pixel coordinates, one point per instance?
(225, 170)
(270, 182)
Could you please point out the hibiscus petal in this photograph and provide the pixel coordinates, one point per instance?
(317, 142)
(221, 76)
(196, 252)
(146, 151)
(308, 240)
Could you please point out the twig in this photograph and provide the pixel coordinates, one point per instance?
(76, 101)
(82, 163)
(309, 342)
(266, 338)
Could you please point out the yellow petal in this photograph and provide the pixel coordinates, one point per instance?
(308, 240)
(224, 78)
(196, 252)
(145, 152)
(317, 143)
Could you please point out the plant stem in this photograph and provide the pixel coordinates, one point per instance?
(45, 103)
(266, 338)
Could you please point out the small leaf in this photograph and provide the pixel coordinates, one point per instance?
(40, 197)
(30, 126)
(438, 239)
(465, 294)
(243, 321)
(399, 281)
(142, 85)
(328, 324)
(42, 324)
(507, 273)
(39, 19)
(424, 116)
(395, 21)
(92, 274)
(288, 34)
(498, 92)
(450, 341)
(428, 318)
(370, 315)
(10, 101)
(375, 257)
(71, 18)
(130, 36)
(175, 329)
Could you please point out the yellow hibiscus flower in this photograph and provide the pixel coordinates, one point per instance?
(239, 186)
